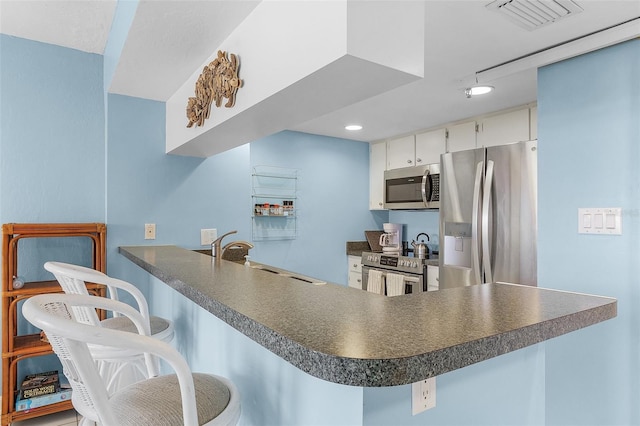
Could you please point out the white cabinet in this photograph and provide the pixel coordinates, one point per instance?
(503, 128)
(377, 160)
(461, 136)
(433, 278)
(416, 150)
(430, 145)
(355, 272)
(401, 152)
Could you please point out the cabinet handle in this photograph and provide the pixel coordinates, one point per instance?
(418, 160)
(409, 161)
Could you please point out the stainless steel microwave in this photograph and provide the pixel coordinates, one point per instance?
(412, 188)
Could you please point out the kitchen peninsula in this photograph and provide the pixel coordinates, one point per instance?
(351, 337)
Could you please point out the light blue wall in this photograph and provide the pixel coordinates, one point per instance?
(506, 390)
(181, 195)
(51, 133)
(589, 151)
(416, 222)
(588, 147)
(332, 203)
(51, 152)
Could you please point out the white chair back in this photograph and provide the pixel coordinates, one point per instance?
(54, 314)
(73, 279)
(67, 276)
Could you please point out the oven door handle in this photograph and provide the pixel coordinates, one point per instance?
(365, 270)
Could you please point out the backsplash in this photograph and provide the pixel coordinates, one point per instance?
(416, 222)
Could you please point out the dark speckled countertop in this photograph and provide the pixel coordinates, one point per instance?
(352, 337)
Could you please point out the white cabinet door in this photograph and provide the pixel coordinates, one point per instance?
(377, 161)
(401, 152)
(429, 146)
(355, 272)
(355, 280)
(433, 278)
(461, 137)
(504, 128)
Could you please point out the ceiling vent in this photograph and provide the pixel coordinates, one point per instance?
(533, 14)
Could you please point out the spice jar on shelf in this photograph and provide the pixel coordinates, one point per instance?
(265, 209)
(288, 207)
(275, 210)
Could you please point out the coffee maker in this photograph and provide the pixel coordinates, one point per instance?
(391, 239)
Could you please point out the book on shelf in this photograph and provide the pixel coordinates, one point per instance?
(40, 384)
(64, 394)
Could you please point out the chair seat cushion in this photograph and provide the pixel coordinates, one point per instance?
(157, 401)
(122, 323)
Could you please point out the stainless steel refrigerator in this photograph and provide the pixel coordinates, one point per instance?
(488, 215)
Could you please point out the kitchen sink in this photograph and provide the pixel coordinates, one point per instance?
(274, 270)
(284, 273)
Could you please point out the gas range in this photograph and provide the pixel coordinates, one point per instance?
(412, 269)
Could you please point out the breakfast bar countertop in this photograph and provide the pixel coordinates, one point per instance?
(349, 336)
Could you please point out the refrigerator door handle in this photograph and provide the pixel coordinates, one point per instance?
(425, 180)
(486, 238)
(476, 239)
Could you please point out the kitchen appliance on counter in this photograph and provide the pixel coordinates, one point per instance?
(488, 216)
(412, 188)
(391, 238)
(373, 238)
(420, 249)
(412, 269)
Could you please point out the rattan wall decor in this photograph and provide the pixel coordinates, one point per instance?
(218, 80)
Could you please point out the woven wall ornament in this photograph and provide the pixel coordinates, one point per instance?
(218, 80)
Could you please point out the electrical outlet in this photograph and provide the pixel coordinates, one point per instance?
(423, 395)
(207, 236)
(149, 231)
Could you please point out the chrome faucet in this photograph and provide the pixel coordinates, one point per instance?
(215, 245)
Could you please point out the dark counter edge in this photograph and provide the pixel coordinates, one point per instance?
(383, 372)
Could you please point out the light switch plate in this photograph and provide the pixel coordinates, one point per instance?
(600, 221)
(149, 231)
(207, 236)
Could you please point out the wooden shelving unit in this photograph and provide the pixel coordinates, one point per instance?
(16, 348)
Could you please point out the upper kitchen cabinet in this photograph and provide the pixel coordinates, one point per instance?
(416, 150)
(461, 136)
(503, 128)
(401, 152)
(430, 145)
(377, 161)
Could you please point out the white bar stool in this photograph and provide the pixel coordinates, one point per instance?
(183, 398)
(119, 367)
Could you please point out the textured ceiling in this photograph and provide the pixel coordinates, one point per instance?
(170, 40)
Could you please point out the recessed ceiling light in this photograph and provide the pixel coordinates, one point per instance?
(353, 127)
(477, 90)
